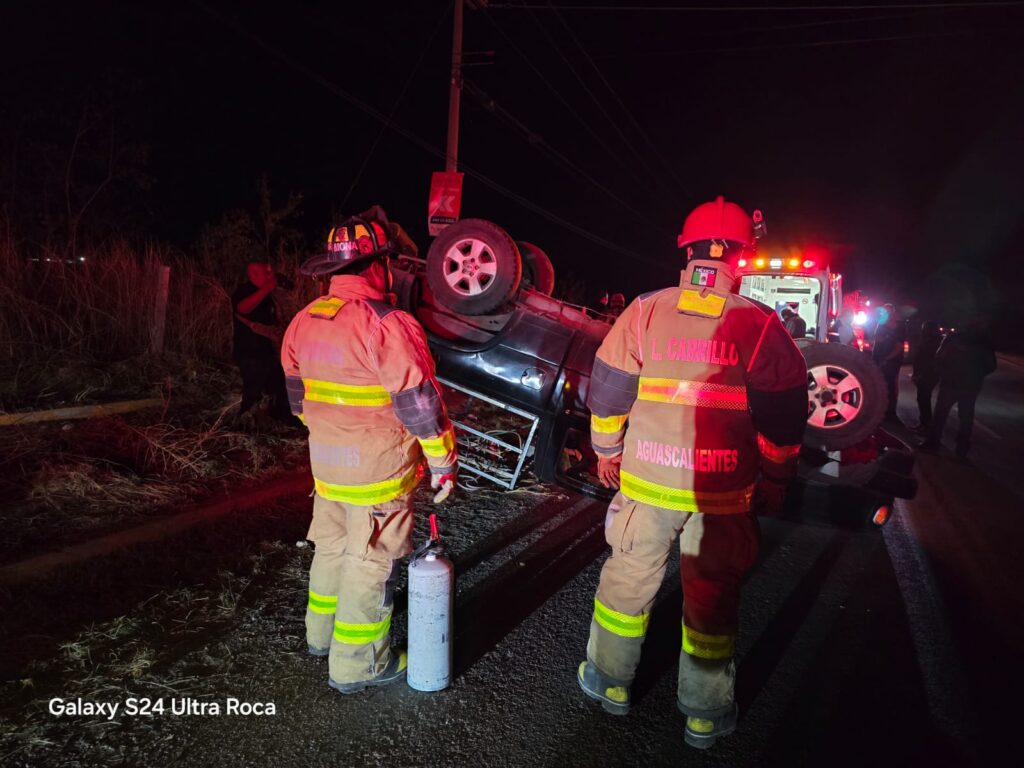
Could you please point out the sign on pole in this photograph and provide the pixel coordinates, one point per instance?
(445, 200)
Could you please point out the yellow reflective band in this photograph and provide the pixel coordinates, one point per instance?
(327, 308)
(708, 646)
(709, 306)
(683, 500)
(322, 603)
(345, 394)
(439, 447)
(361, 634)
(620, 624)
(618, 693)
(302, 418)
(700, 725)
(779, 454)
(370, 494)
(607, 425)
(701, 394)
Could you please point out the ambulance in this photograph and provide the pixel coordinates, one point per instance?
(850, 463)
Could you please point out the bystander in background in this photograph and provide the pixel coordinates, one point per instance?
(926, 372)
(795, 325)
(964, 359)
(890, 333)
(257, 341)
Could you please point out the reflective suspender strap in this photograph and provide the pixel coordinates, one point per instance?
(322, 603)
(620, 624)
(370, 494)
(361, 634)
(684, 500)
(708, 646)
(345, 394)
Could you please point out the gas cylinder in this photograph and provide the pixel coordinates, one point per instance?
(431, 590)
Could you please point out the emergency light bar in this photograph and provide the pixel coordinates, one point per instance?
(777, 263)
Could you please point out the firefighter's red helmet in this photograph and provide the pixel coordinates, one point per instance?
(361, 237)
(718, 220)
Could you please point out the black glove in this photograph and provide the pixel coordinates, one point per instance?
(769, 498)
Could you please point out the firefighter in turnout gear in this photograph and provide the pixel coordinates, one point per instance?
(699, 400)
(360, 375)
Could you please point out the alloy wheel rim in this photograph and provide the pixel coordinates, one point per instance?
(470, 267)
(835, 396)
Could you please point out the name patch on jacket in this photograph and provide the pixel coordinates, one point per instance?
(697, 459)
(709, 351)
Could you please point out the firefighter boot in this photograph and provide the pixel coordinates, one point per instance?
(702, 733)
(393, 672)
(613, 694)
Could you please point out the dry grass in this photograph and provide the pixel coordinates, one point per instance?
(63, 482)
(82, 331)
(102, 308)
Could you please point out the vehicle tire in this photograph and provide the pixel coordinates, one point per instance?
(846, 397)
(473, 267)
(538, 271)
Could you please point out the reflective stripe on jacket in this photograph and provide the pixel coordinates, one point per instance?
(698, 388)
(360, 375)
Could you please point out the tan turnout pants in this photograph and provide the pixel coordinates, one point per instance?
(351, 582)
(716, 551)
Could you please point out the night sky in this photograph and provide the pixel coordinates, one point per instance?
(893, 137)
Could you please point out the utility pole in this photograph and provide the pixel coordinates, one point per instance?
(452, 156)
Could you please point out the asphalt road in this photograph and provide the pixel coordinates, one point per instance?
(900, 646)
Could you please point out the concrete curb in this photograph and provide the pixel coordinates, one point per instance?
(39, 565)
(78, 412)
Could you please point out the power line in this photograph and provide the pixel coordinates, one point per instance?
(394, 108)
(538, 141)
(586, 89)
(609, 152)
(416, 140)
(625, 110)
(754, 8)
(760, 29)
(814, 44)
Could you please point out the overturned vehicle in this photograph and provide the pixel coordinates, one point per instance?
(517, 366)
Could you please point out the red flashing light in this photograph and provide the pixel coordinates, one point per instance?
(808, 263)
(881, 516)
(741, 263)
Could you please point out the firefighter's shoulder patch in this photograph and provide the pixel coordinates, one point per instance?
(693, 303)
(326, 309)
